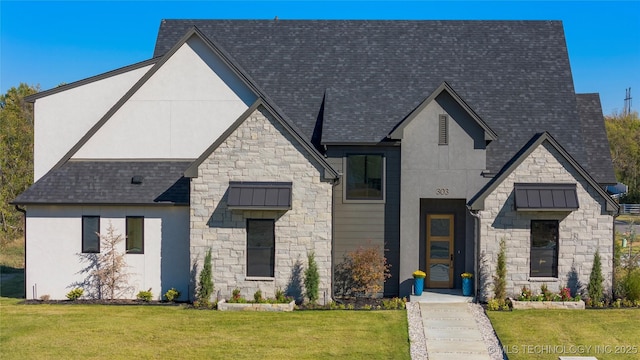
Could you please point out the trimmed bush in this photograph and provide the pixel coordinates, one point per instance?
(75, 294)
(312, 279)
(145, 295)
(594, 289)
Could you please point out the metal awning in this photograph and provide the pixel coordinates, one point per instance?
(254, 195)
(546, 197)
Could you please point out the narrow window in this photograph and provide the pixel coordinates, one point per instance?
(443, 130)
(135, 235)
(544, 248)
(364, 177)
(90, 231)
(260, 247)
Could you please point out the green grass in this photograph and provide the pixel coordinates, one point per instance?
(537, 334)
(153, 332)
(629, 218)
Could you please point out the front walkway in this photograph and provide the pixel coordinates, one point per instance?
(450, 328)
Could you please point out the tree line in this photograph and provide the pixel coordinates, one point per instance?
(16, 157)
(623, 131)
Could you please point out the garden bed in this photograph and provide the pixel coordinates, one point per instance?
(569, 305)
(225, 306)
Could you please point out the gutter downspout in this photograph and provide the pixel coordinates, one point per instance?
(476, 249)
(24, 213)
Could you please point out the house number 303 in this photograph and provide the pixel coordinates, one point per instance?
(442, 191)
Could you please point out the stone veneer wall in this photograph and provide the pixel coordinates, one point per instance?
(260, 149)
(581, 232)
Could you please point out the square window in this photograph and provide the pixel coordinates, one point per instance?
(260, 247)
(544, 248)
(365, 175)
(90, 231)
(135, 235)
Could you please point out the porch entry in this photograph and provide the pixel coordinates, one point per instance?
(439, 244)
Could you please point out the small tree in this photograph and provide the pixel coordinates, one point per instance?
(595, 280)
(110, 270)
(500, 278)
(205, 282)
(311, 279)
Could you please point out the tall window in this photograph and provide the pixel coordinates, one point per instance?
(364, 177)
(544, 248)
(90, 237)
(260, 247)
(135, 235)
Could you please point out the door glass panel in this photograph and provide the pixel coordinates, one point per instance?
(439, 249)
(439, 272)
(439, 227)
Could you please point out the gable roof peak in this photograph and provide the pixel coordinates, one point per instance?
(398, 131)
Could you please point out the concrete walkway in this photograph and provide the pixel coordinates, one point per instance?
(450, 329)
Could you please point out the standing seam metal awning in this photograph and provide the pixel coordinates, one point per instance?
(545, 197)
(254, 195)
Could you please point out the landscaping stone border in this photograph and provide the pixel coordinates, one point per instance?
(225, 306)
(569, 305)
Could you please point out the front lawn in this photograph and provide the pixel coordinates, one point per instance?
(546, 334)
(150, 332)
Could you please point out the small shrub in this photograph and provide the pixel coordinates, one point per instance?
(367, 307)
(311, 278)
(493, 305)
(565, 294)
(594, 289)
(172, 295)
(500, 278)
(205, 281)
(46, 297)
(631, 285)
(237, 298)
(577, 297)
(74, 294)
(394, 303)
(350, 306)
(280, 297)
(145, 295)
(525, 294)
(257, 297)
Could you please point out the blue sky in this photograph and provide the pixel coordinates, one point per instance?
(53, 42)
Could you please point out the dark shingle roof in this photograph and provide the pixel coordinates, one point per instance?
(596, 142)
(514, 74)
(110, 182)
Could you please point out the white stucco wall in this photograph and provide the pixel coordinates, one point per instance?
(61, 119)
(189, 102)
(54, 248)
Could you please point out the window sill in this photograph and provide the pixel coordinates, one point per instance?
(543, 279)
(259, 278)
(363, 201)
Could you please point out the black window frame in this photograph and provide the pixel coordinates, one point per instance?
(348, 185)
(129, 249)
(541, 251)
(252, 251)
(94, 235)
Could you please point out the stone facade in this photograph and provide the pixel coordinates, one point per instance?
(261, 149)
(581, 232)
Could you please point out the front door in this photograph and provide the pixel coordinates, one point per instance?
(440, 251)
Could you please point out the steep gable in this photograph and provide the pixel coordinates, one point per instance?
(188, 97)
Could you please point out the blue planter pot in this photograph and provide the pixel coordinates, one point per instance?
(418, 285)
(467, 287)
